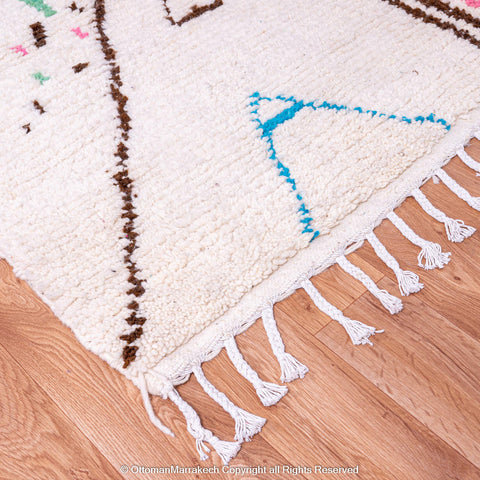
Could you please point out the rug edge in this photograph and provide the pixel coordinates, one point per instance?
(157, 381)
(188, 358)
(310, 264)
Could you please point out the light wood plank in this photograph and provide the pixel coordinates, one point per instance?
(99, 400)
(453, 290)
(333, 416)
(36, 438)
(337, 286)
(423, 362)
(405, 409)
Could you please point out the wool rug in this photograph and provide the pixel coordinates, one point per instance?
(172, 168)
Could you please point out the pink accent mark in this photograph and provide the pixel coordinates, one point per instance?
(472, 3)
(19, 49)
(79, 33)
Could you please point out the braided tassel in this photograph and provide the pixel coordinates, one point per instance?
(226, 450)
(359, 332)
(456, 230)
(468, 160)
(246, 424)
(408, 282)
(430, 252)
(391, 303)
(268, 393)
(290, 367)
(458, 190)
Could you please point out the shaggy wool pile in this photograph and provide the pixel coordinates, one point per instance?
(172, 168)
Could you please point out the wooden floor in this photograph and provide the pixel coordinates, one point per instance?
(407, 408)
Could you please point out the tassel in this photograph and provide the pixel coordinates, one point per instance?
(268, 393)
(246, 424)
(458, 190)
(408, 282)
(391, 303)
(359, 332)
(468, 160)
(148, 407)
(431, 252)
(226, 450)
(290, 367)
(456, 230)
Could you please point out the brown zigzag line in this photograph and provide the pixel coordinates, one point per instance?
(125, 185)
(426, 18)
(454, 12)
(38, 107)
(195, 11)
(74, 7)
(79, 67)
(38, 31)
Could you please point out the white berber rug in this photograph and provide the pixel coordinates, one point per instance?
(172, 168)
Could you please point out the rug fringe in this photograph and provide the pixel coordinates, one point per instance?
(390, 302)
(457, 189)
(456, 230)
(430, 251)
(268, 393)
(246, 424)
(290, 367)
(408, 282)
(225, 450)
(148, 407)
(359, 332)
(468, 160)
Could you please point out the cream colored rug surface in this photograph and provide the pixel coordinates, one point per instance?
(172, 168)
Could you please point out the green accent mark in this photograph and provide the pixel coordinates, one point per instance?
(38, 76)
(41, 6)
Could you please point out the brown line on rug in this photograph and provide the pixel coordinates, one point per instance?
(195, 11)
(125, 185)
(38, 107)
(74, 7)
(79, 67)
(426, 18)
(454, 12)
(38, 32)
